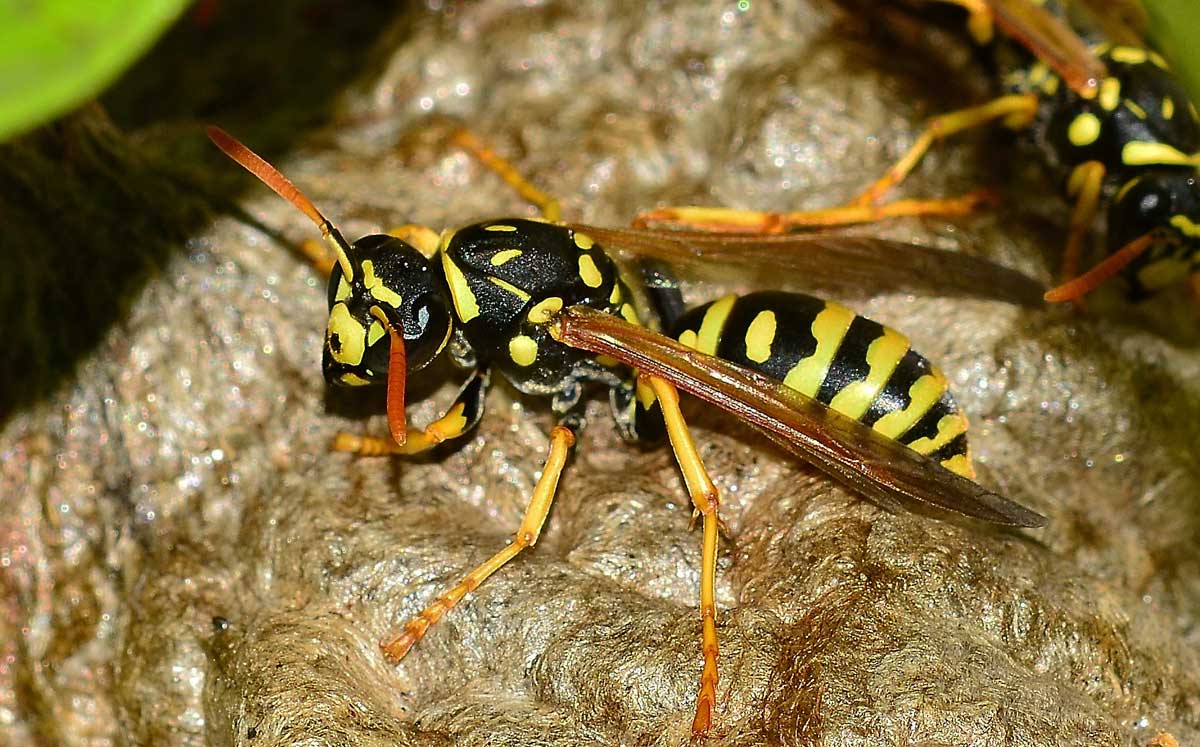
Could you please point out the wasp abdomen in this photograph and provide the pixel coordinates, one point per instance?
(823, 350)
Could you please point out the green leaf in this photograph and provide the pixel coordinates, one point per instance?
(1176, 27)
(56, 54)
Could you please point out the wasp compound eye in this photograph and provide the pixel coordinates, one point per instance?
(392, 280)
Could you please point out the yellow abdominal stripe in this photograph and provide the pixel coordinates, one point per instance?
(883, 355)
(828, 329)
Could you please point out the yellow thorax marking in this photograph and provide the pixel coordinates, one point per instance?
(465, 304)
(1141, 153)
(507, 286)
(589, 272)
(543, 310)
(1168, 107)
(1083, 130)
(504, 255)
(500, 227)
(583, 241)
(523, 350)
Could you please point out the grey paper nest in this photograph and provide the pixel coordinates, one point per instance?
(186, 562)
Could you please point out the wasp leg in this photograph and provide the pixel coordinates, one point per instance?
(460, 418)
(562, 439)
(731, 220)
(979, 19)
(491, 160)
(316, 253)
(706, 500)
(422, 238)
(1016, 110)
(1084, 185)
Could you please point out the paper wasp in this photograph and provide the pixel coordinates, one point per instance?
(1101, 105)
(512, 295)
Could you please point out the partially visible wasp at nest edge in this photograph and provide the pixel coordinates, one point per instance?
(557, 309)
(1104, 108)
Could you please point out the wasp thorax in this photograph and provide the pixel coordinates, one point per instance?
(394, 286)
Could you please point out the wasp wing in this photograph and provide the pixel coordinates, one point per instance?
(830, 260)
(876, 467)
(1052, 41)
(1118, 21)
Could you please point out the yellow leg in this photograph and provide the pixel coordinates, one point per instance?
(494, 162)
(707, 501)
(448, 426)
(730, 220)
(422, 238)
(979, 20)
(1084, 185)
(561, 442)
(1016, 110)
(316, 253)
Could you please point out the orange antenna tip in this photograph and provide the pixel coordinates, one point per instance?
(266, 173)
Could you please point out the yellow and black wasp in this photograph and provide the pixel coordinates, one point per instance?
(547, 305)
(1102, 106)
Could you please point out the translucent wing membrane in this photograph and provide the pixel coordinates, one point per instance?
(1051, 40)
(830, 260)
(882, 470)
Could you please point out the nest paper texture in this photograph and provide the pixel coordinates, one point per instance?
(186, 563)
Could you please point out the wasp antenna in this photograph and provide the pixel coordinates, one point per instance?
(397, 377)
(270, 176)
(1077, 288)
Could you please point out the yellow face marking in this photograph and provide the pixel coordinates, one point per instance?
(500, 227)
(615, 296)
(1084, 130)
(353, 379)
(759, 336)
(1152, 154)
(465, 304)
(923, 394)
(343, 290)
(507, 286)
(589, 272)
(1163, 272)
(1129, 55)
(949, 427)
(523, 350)
(713, 323)
(374, 332)
(1138, 111)
(630, 314)
(583, 241)
(504, 255)
(352, 337)
(1168, 107)
(645, 395)
(828, 328)
(883, 355)
(1185, 225)
(960, 464)
(541, 313)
